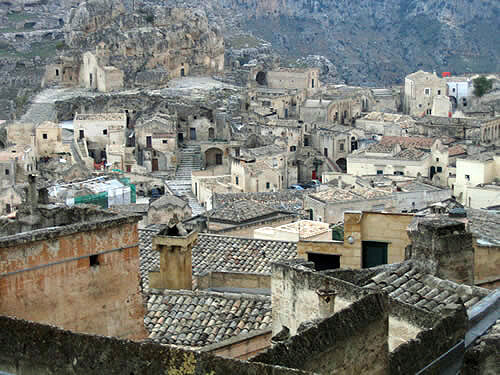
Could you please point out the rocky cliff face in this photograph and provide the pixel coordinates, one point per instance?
(146, 37)
(378, 41)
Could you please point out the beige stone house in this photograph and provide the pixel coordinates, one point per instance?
(156, 143)
(162, 210)
(49, 140)
(99, 130)
(420, 90)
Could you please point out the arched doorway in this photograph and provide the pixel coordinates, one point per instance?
(342, 163)
(213, 157)
(261, 78)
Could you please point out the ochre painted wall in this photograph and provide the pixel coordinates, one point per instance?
(66, 291)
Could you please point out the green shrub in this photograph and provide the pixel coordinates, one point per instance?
(482, 85)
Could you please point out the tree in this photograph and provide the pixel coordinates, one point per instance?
(482, 85)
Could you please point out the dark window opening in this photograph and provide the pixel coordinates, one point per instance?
(379, 171)
(268, 185)
(82, 134)
(293, 148)
(105, 132)
(44, 136)
(183, 72)
(7, 172)
(8, 208)
(165, 141)
(237, 180)
(94, 260)
(324, 261)
(57, 72)
(149, 141)
(439, 169)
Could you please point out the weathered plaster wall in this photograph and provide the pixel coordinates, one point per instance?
(352, 341)
(234, 280)
(486, 266)
(28, 348)
(51, 280)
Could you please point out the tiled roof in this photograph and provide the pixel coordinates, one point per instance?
(380, 148)
(334, 194)
(219, 253)
(456, 150)
(409, 284)
(197, 318)
(485, 226)
(240, 211)
(406, 142)
(101, 116)
(169, 200)
(411, 154)
(289, 200)
(264, 150)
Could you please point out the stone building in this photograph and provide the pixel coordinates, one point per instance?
(49, 140)
(261, 169)
(75, 268)
(156, 143)
(100, 130)
(107, 60)
(162, 210)
(286, 78)
(420, 90)
(16, 162)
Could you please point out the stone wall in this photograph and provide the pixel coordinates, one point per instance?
(444, 248)
(295, 299)
(84, 279)
(353, 340)
(233, 280)
(486, 266)
(32, 348)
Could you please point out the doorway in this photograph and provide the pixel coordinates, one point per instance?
(192, 134)
(82, 134)
(154, 166)
(374, 254)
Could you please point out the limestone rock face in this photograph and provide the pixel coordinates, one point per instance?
(155, 38)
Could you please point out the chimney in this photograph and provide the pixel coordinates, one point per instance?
(175, 246)
(442, 247)
(326, 300)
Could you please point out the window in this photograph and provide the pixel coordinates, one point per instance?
(7, 208)
(341, 146)
(165, 141)
(420, 106)
(437, 159)
(57, 72)
(128, 168)
(44, 136)
(398, 173)
(427, 92)
(94, 260)
(429, 111)
(237, 180)
(467, 177)
(7, 172)
(439, 169)
(268, 185)
(453, 90)
(380, 171)
(105, 131)
(439, 92)
(293, 148)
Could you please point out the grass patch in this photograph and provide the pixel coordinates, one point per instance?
(244, 41)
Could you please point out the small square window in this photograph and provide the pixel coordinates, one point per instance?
(439, 169)
(165, 141)
(105, 131)
(380, 171)
(94, 260)
(44, 136)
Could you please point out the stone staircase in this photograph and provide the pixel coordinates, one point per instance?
(42, 108)
(189, 160)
